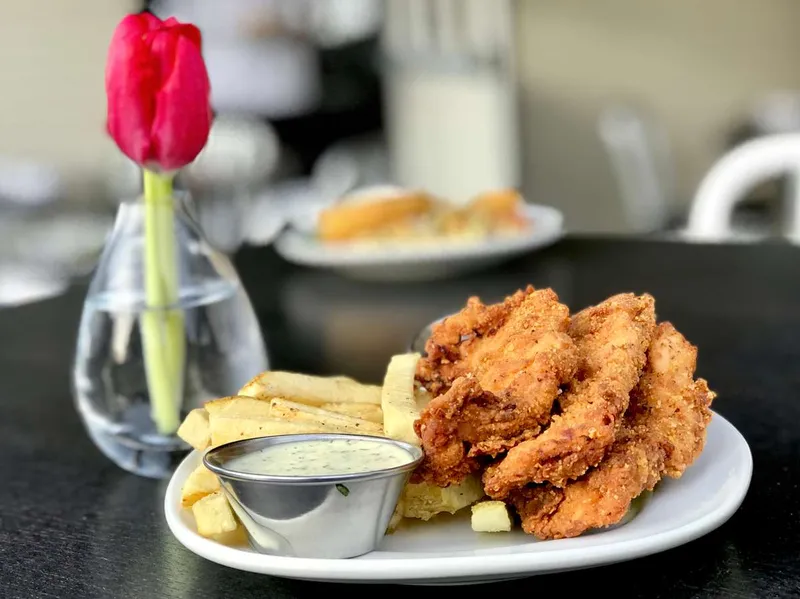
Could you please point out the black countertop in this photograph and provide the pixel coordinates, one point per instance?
(74, 525)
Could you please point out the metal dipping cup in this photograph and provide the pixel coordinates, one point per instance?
(329, 516)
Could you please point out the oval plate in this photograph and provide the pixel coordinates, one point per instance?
(421, 261)
(446, 551)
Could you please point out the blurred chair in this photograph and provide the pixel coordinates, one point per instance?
(727, 183)
(638, 149)
(351, 164)
(779, 113)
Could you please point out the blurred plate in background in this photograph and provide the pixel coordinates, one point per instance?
(421, 261)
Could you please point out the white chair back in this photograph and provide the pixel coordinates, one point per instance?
(733, 176)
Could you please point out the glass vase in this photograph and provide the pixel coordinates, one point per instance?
(140, 368)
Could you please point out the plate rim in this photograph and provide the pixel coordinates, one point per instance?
(440, 569)
(288, 242)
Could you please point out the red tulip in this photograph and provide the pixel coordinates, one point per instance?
(159, 110)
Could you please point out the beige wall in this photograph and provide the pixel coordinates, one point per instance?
(52, 100)
(698, 66)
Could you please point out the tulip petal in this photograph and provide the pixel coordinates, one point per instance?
(183, 114)
(163, 43)
(131, 86)
(186, 29)
(158, 91)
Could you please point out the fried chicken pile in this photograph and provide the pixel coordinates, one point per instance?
(569, 418)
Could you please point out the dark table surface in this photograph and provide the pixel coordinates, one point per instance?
(74, 525)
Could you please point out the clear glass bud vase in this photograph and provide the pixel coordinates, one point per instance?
(139, 368)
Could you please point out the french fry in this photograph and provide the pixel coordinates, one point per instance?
(398, 401)
(397, 516)
(490, 516)
(213, 515)
(194, 429)
(356, 410)
(225, 429)
(234, 538)
(238, 406)
(200, 482)
(313, 390)
(402, 402)
(424, 501)
(292, 411)
(422, 398)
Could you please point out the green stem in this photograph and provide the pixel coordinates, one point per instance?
(162, 322)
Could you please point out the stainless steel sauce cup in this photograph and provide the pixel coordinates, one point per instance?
(326, 516)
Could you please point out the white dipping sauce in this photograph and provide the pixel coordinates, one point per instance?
(323, 457)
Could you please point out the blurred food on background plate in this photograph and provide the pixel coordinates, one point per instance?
(392, 215)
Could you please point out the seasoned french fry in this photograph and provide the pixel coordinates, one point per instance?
(213, 515)
(198, 484)
(356, 410)
(194, 429)
(292, 411)
(398, 401)
(238, 406)
(225, 429)
(490, 516)
(314, 390)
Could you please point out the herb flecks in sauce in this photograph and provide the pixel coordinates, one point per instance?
(322, 457)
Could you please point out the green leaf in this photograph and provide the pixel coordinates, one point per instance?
(343, 490)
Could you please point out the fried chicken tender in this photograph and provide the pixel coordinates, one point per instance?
(612, 340)
(599, 499)
(447, 350)
(501, 368)
(674, 408)
(444, 437)
(663, 432)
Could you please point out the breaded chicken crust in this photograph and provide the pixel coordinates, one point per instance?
(496, 371)
(612, 340)
(663, 432)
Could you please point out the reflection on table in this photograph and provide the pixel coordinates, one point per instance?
(353, 327)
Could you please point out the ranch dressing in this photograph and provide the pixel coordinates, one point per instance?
(322, 457)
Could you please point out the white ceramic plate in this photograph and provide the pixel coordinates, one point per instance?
(446, 551)
(422, 261)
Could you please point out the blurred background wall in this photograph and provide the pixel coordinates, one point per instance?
(698, 68)
(52, 104)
